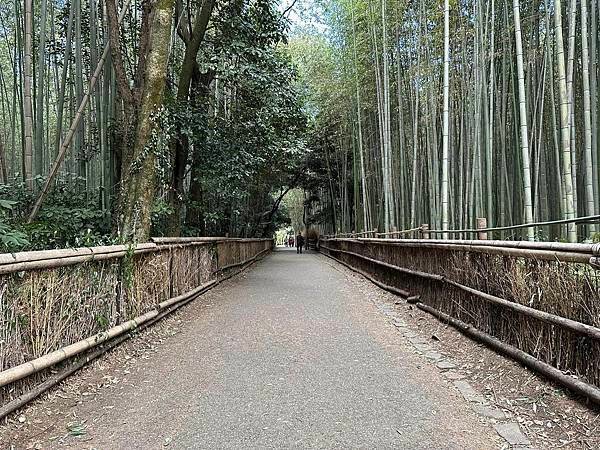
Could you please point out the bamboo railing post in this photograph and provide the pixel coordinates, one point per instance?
(394, 232)
(481, 225)
(375, 233)
(425, 230)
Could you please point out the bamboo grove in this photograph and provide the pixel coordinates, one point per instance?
(121, 118)
(444, 111)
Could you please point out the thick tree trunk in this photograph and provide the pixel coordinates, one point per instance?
(139, 176)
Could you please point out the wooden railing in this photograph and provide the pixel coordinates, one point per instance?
(59, 305)
(538, 302)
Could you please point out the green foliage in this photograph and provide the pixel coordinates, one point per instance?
(10, 239)
(102, 321)
(161, 213)
(250, 142)
(70, 218)
(244, 125)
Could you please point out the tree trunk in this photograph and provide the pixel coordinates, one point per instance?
(181, 144)
(139, 176)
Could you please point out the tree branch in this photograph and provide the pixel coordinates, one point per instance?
(191, 49)
(115, 48)
(289, 8)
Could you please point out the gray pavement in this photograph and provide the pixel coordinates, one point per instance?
(289, 355)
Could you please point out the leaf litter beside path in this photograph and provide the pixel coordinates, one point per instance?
(51, 419)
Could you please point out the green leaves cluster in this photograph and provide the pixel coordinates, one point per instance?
(71, 218)
(248, 136)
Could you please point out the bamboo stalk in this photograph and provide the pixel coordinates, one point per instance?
(387, 287)
(74, 126)
(42, 255)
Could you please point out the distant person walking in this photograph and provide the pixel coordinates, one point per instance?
(299, 243)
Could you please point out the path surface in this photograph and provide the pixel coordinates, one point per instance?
(288, 355)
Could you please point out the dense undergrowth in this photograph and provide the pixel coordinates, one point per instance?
(71, 218)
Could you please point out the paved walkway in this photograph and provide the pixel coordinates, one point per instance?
(290, 354)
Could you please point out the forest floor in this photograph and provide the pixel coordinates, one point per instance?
(300, 352)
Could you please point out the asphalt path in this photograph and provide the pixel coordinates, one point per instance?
(289, 355)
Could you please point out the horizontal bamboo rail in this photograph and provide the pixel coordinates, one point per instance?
(550, 252)
(387, 287)
(168, 307)
(201, 240)
(576, 220)
(550, 246)
(43, 362)
(52, 259)
(50, 359)
(423, 230)
(68, 261)
(38, 390)
(243, 263)
(22, 257)
(397, 233)
(352, 234)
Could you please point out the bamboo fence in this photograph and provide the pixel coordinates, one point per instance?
(59, 304)
(540, 299)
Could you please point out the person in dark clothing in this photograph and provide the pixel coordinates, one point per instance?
(299, 243)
